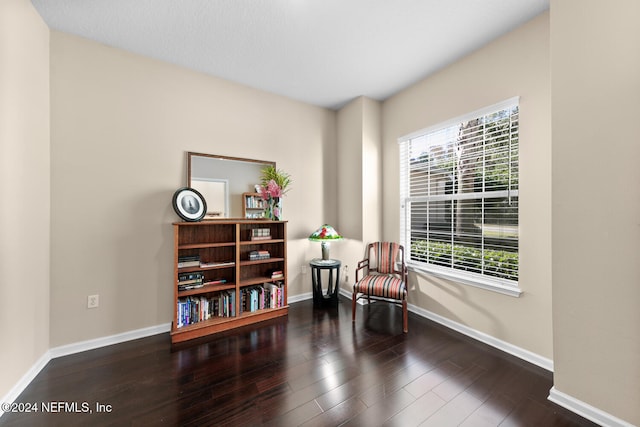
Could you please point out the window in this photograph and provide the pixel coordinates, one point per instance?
(459, 198)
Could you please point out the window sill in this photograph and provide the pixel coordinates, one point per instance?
(470, 280)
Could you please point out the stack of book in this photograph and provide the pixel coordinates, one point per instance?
(190, 281)
(198, 309)
(274, 294)
(267, 295)
(260, 234)
(252, 299)
(189, 261)
(256, 255)
(276, 274)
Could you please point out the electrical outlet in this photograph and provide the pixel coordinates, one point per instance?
(93, 301)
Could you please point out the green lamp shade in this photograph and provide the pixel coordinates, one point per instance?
(325, 233)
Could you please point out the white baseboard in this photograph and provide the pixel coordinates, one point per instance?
(68, 349)
(26, 379)
(514, 350)
(585, 410)
(299, 297)
(348, 293)
(78, 347)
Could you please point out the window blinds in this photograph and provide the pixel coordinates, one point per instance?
(459, 194)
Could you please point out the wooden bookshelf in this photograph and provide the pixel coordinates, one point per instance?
(231, 289)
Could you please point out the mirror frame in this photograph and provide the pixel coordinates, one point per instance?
(191, 154)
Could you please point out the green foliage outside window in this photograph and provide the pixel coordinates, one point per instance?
(497, 263)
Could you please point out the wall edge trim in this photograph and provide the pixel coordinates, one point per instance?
(78, 347)
(514, 350)
(25, 380)
(585, 410)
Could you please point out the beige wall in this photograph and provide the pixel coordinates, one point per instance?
(371, 160)
(359, 191)
(24, 190)
(349, 160)
(596, 203)
(516, 64)
(121, 125)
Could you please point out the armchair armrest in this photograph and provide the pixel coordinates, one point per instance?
(361, 266)
(401, 270)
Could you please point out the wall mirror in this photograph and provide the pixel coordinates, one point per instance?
(221, 180)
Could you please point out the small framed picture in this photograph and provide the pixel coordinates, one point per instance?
(189, 204)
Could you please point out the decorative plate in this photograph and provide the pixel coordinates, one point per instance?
(189, 204)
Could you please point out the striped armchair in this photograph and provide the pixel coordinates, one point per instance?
(382, 276)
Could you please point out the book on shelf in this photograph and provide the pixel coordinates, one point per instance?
(253, 299)
(188, 287)
(275, 274)
(276, 294)
(189, 261)
(192, 310)
(254, 202)
(229, 299)
(183, 277)
(266, 296)
(199, 283)
(189, 281)
(257, 255)
(186, 264)
(260, 234)
(254, 294)
(215, 282)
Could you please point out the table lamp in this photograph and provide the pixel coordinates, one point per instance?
(324, 235)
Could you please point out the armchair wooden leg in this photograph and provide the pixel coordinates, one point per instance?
(405, 317)
(353, 307)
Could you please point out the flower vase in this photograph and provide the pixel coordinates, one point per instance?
(276, 208)
(273, 210)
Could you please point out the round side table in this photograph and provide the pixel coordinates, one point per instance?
(330, 296)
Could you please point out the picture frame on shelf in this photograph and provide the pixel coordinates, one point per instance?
(189, 204)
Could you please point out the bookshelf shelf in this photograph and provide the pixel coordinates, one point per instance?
(260, 261)
(206, 289)
(263, 312)
(254, 281)
(261, 242)
(247, 290)
(206, 245)
(194, 269)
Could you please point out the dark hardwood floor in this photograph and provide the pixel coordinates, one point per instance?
(314, 368)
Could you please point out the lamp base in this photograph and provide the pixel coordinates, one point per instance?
(325, 251)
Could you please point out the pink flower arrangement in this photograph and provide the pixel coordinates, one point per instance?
(272, 190)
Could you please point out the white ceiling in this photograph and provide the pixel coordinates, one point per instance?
(323, 52)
